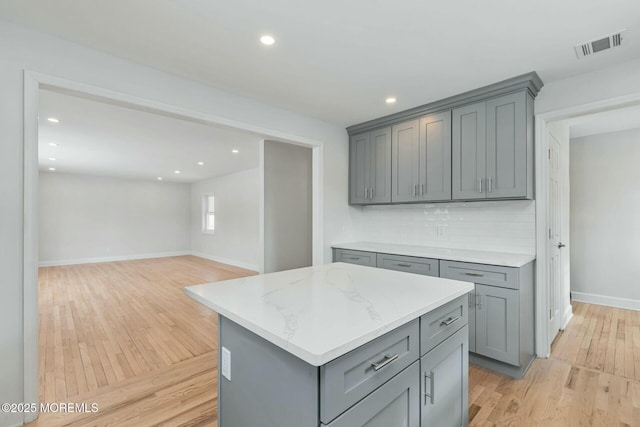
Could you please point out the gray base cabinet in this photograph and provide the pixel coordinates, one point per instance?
(379, 384)
(444, 390)
(500, 311)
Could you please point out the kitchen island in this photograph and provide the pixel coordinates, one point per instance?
(340, 345)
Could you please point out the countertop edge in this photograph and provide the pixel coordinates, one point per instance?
(322, 359)
(392, 249)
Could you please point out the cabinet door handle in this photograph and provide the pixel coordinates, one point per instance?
(449, 321)
(372, 192)
(415, 188)
(366, 193)
(479, 301)
(400, 264)
(422, 189)
(474, 274)
(431, 387)
(479, 185)
(354, 257)
(384, 362)
(490, 184)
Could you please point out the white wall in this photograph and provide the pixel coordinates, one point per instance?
(235, 240)
(605, 212)
(22, 49)
(502, 226)
(287, 206)
(91, 218)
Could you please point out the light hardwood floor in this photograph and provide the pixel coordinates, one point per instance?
(123, 335)
(591, 378)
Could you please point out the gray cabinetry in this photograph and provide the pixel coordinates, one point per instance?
(473, 146)
(410, 264)
(493, 149)
(370, 167)
(355, 257)
(421, 153)
(396, 403)
(469, 150)
(444, 394)
(497, 323)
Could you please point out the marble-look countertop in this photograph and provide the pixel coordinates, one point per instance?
(465, 255)
(320, 313)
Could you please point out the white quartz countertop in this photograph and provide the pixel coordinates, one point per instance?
(464, 255)
(320, 313)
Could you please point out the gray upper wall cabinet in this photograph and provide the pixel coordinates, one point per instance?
(474, 146)
(370, 167)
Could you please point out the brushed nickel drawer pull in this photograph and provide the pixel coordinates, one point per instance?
(384, 362)
(354, 257)
(400, 264)
(449, 321)
(474, 274)
(431, 387)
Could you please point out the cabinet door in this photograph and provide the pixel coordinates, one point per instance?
(380, 166)
(395, 404)
(405, 155)
(435, 157)
(359, 166)
(497, 323)
(469, 152)
(507, 146)
(444, 395)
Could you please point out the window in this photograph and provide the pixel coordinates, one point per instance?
(209, 213)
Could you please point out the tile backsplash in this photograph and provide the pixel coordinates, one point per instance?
(502, 226)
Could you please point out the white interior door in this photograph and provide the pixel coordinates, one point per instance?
(554, 234)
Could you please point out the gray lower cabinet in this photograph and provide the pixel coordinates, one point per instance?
(424, 266)
(444, 390)
(355, 257)
(497, 324)
(370, 167)
(396, 403)
(379, 384)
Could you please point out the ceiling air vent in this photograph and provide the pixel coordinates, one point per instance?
(604, 43)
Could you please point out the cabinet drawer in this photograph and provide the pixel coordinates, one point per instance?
(493, 275)
(425, 266)
(355, 257)
(443, 322)
(394, 404)
(349, 378)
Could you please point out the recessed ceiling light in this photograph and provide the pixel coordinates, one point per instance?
(390, 100)
(267, 40)
(200, 163)
(53, 159)
(159, 178)
(52, 169)
(53, 120)
(176, 172)
(53, 144)
(235, 151)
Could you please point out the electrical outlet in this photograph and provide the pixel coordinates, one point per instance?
(440, 231)
(226, 363)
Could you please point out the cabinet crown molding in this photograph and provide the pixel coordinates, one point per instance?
(529, 81)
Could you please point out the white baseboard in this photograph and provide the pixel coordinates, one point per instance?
(566, 317)
(111, 259)
(630, 304)
(241, 264)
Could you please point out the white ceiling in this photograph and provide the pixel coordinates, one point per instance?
(103, 139)
(605, 122)
(338, 60)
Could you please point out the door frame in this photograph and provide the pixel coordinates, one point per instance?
(33, 82)
(542, 122)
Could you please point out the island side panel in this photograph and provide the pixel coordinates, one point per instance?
(268, 387)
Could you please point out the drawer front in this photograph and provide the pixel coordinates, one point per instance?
(355, 257)
(492, 275)
(347, 379)
(441, 323)
(394, 404)
(424, 266)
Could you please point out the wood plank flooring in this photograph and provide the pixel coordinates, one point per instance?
(124, 335)
(591, 379)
